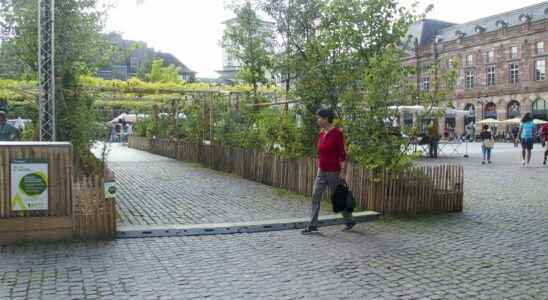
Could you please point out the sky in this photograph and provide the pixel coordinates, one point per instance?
(191, 29)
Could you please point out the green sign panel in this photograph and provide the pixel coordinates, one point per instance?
(29, 185)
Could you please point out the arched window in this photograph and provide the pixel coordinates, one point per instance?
(490, 111)
(540, 109)
(513, 110)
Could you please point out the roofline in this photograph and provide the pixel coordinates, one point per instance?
(436, 20)
(501, 14)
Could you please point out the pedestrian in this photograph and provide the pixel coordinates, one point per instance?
(7, 132)
(470, 131)
(113, 134)
(487, 144)
(545, 142)
(515, 131)
(20, 124)
(433, 137)
(331, 166)
(526, 135)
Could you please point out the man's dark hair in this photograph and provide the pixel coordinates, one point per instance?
(527, 118)
(326, 113)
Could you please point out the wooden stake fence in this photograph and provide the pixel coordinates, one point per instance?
(419, 190)
(93, 215)
(77, 207)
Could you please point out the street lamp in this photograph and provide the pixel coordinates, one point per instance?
(480, 101)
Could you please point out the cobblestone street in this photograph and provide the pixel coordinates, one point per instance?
(496, 249)
(157, 191)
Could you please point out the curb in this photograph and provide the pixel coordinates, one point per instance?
(233, 228)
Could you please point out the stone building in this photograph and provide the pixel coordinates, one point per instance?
(502, 63)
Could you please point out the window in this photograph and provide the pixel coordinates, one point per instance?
(514, 73)
(134, 64)
(469, 59)
(425, 84)
(491, 76)
(540, 48)
(469, 79)
(540, 69)
(490, 57)
(514, 52)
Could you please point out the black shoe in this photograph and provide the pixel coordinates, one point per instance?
(349, 226)
(310, 230)
(544, 162)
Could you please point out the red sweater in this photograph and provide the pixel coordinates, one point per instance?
(331, 150)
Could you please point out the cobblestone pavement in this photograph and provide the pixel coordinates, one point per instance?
(496, 249)
(155, 191)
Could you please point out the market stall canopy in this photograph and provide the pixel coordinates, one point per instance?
(129, 118)
(489, 121)
(513, 121)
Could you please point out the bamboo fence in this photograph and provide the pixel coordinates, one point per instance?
(415, 191)
(76, 206)
(94, 216)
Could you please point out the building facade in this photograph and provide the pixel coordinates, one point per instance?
(502, 63)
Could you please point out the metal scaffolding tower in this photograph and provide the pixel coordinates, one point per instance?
(46, 69)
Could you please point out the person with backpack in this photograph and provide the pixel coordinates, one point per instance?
(526, 135)
(487, 144)
(331, 167)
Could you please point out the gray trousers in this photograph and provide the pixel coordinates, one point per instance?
(322, 182)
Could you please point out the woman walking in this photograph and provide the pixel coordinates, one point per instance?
(487, 144)
(526, 135)
(331, 166)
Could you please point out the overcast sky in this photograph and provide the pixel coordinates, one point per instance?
(191, 29)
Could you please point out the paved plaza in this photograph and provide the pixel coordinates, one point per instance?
(155, 190)
(495, 249)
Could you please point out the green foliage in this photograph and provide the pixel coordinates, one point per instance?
(250, 43)
(341, 54)
(163, 74)
(30, 133)
(75, 22)
(375, 143)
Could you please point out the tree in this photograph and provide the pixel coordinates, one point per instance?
(343, 54)
(250, 42)
(76, 22)
(163, 74)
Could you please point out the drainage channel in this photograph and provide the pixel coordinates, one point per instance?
(232, 228)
